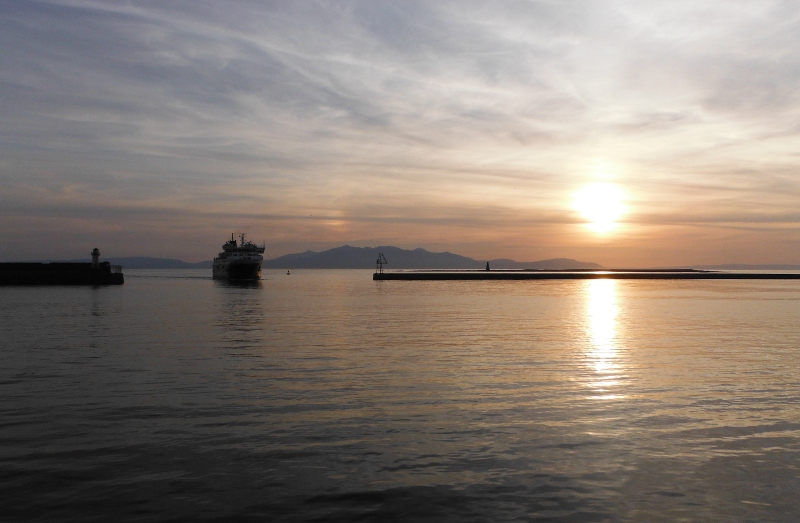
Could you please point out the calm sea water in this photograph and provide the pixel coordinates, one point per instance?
(325, 396)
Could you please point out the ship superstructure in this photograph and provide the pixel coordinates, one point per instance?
(240, 261)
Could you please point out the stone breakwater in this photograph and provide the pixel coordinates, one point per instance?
(687, 274)
(60, 274)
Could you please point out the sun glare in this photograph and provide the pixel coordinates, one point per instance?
(601, 204)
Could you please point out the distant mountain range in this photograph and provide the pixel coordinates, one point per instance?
(348, 257)
(747, 267)
(144, 262)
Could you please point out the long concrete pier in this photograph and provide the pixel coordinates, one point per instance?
(616, 274)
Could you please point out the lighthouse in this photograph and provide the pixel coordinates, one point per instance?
(95, 258)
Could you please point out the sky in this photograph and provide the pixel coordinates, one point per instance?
(479, 128)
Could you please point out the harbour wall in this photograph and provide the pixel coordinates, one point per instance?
(60, 274)
(582, 275)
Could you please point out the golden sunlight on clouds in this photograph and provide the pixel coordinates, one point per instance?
(489, 140)
(602, 205)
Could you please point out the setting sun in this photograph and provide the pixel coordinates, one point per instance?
(601, 204)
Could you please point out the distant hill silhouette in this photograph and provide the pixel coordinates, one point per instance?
(747, 267)
(144, 262)
(553, 264)
(348, 257)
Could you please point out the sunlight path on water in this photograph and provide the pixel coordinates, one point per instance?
(327, 396)
(601, 318)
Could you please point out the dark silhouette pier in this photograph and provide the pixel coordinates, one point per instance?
(94, 273)
(615, 274)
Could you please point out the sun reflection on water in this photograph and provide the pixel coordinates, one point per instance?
(602, 313)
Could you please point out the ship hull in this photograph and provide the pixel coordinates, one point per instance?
(236, 270)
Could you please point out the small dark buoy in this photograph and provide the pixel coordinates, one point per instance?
(487, 266)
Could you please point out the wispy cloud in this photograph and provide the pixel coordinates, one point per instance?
(459, 121)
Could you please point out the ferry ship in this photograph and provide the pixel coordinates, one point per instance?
(238, 261)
